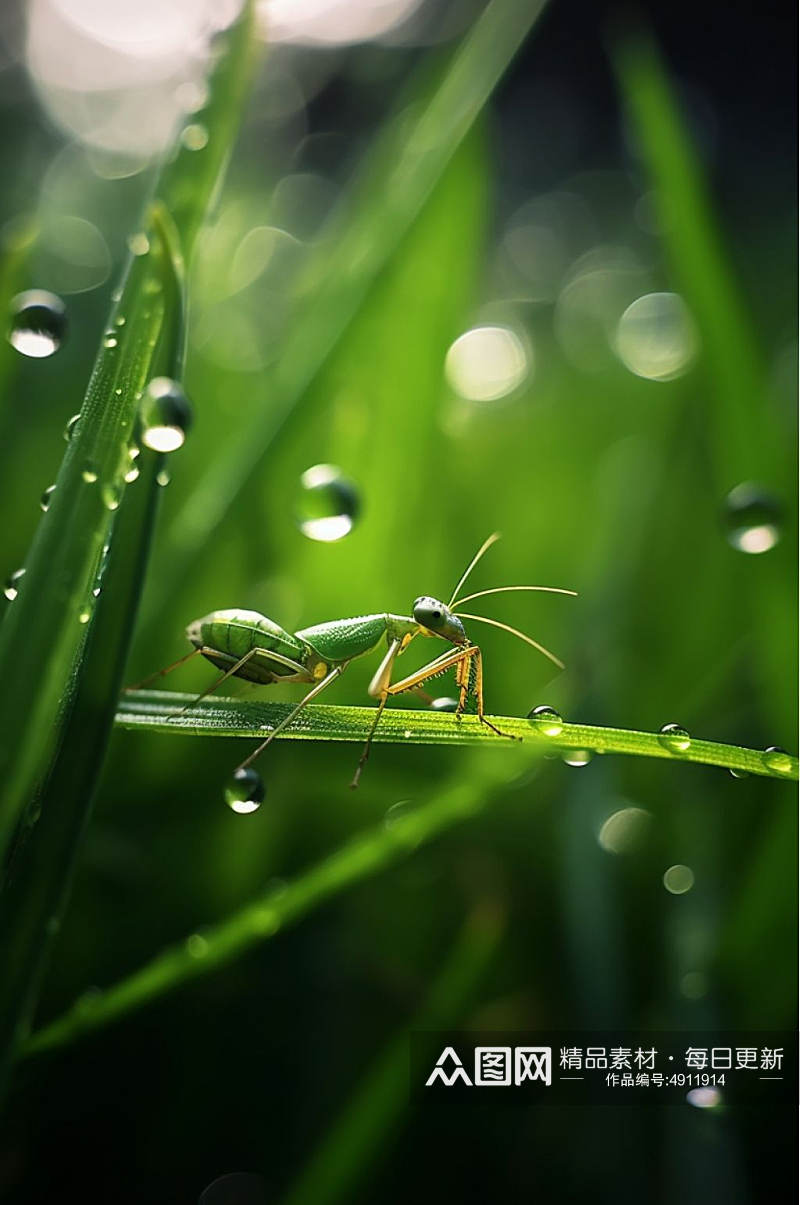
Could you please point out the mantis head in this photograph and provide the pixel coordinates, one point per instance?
(436, 619)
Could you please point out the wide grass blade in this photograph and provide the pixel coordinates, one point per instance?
(44, 631)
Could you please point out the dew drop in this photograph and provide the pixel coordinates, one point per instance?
(138, 244)
(487, 363)
(734, 773)
(89, 473)
(44, 501)
(752, 518)
(111, 495)
(69, 430)
(777, 759)
(131, 474)
(38, 323)
(162, 477)
(444, 704)
(244, 791)
(194, 137)
(11, 588)
(196, 945)
(576, 757)
(678, 879)
(397, 812)
(84, 615)
(166, 415)
(674, 738)
(546, 720)
(328, 505)
(119, 320)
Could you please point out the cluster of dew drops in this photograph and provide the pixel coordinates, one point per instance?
(327, 508)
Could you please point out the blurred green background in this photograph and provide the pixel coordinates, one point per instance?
(494, 378)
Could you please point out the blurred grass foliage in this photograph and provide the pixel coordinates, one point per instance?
(599, 479)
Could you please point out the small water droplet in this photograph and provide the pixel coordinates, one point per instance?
(678, 879)
(244, 791)
(44, 501)
(752, 518)
(162, 477)
(131, 474)
(112, 496)
(166, 415)
(546, 720)
(196, 945)
(119, 320)
(194, 137)
(11, 588)
(89, 473)
(777, 759)
(674, 738)
(328, 505)
(96, 592)
(576, 757)
(734, 773)
(397, 812)
(109, 340)
(38, 323)
(69, 430)
(138, 244)
(444, 704)
(84, 615)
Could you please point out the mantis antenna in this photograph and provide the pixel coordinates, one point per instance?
(495, 623)
(507, 589)
(485, 546)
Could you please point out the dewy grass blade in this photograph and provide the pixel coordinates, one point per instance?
(157, 711)
(398, 176)
(43, 634)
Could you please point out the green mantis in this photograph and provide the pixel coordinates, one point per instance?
(245, 644)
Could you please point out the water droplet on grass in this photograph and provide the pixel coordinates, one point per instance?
(576, 757)
(44, 501)
(69, 430)
(38, 323)
(244, 792)
(196, 945)
(734, 773)
(89, 473)
(752, 518)
(328, 505)
(777, 759)
(162, 477)
(112, 496)
(546, 720)
(674, 738)
(166, 415)
(11, 588)
(109, 340)
(138, 244)
(194, 137)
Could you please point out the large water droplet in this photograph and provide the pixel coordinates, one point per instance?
(166, 415)
(656, 337)
(752, 518)
(674, 738)
(11, 588)
(328, 505)
(546, 720)
(38, 323)
(777, 759)
(244, 791)
(444, 704)
(576, 757)
(678, 879)
(44, 501)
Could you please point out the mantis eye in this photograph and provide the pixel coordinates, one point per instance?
(430, 613)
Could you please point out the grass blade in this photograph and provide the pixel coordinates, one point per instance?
(44, 631)
(161, 711)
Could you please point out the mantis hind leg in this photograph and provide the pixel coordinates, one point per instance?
(161, 673)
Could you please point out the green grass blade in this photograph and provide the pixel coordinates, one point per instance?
(374, 1113)
(163, 711)
(44, 631)
(395, 182)
(364, 855)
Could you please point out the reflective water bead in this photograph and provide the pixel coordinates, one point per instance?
(69, 430)
(11, 588)
(674, 738)
(752, 518)
(777, 759)
(576, 757)
(328, 505)
(546, 720)
(244, 791)
(444, 704)
(44, 501)
(166, 415)
(38, 323)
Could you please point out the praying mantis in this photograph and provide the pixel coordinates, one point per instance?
(248, 645)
